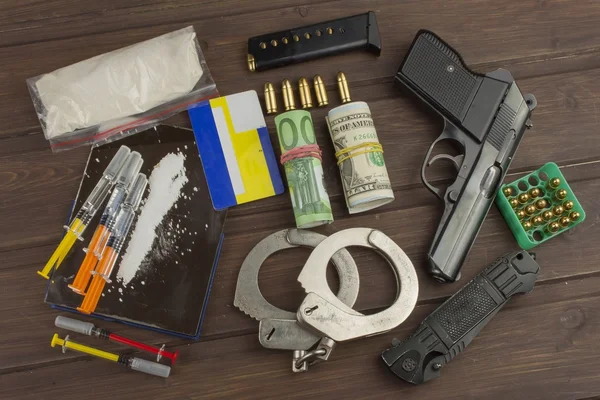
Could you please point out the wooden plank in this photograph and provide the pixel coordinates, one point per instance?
(534, 31)
(522, 353)
(404, 130)
(570, 255)
(25, 22)
(544, 348)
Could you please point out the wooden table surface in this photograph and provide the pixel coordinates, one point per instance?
(543, 345)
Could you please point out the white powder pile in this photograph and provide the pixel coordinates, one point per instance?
(119, 84)
(166, 183)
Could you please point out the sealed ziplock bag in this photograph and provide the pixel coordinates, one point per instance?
(117, 94)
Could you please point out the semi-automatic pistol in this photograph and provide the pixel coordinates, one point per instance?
(485, 116)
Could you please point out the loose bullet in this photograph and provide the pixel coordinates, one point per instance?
(537, 220)
(558, 210)
(564, 221)
(534, 192)
(343, 87)
(523, 198)
(541, 204)
(305, 95)
(320, 91)
(553, 227)
(547, 215)
(530, 209)
(568, 205)
(270, 98)
(289, 102)
(560, 194)
(553, 183)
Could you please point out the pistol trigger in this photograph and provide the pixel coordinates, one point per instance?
(456, 160)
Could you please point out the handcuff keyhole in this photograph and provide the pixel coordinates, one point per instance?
(270, 335)
(309, 310)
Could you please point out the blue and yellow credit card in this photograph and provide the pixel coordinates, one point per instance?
(236, 152)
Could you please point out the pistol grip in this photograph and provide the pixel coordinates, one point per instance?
(451, 327)
(438, 74)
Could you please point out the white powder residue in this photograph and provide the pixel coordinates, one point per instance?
(111, 87)
(195, 189)
(166, 182)
(97, 160)
(143, 283)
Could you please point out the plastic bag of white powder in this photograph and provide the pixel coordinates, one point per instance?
(122, 92)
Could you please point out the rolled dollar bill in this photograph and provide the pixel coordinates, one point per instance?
(360, 157)
(301, 158)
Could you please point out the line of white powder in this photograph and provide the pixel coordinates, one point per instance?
(166, 183)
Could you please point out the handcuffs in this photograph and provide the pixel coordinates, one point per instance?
(323, 319)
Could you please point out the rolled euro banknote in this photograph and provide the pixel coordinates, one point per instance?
(360, 157)
(301, 158)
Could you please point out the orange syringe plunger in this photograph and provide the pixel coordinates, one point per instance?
(89, 263)
(114, 245)
(123, 183)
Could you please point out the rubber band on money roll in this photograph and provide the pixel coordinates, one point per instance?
(308, 150)
(353, 151)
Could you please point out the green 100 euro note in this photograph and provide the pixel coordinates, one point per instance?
(304, 175)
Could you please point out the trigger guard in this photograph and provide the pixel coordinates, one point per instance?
(457, 160)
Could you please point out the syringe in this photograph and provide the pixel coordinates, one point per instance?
(134, 363)
(87, 211)
(107, 221)
(114, 245)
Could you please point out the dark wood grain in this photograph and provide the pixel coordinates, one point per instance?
(279, 273)
(527, 343)
(542, 346)
(532, 32)
(406, 133)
